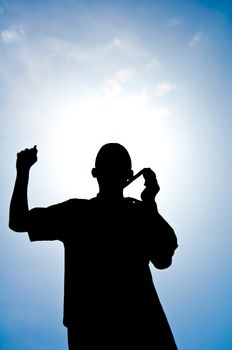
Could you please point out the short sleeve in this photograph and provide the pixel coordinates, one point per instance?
(48, 224)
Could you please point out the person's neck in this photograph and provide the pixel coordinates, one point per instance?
(110, 195)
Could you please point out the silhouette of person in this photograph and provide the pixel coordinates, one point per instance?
(110, 301)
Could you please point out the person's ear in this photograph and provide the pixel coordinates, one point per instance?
(94, 172)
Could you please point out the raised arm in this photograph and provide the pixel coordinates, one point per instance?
(18, 215)
(165, 240)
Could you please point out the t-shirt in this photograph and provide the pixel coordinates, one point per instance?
(108, 245)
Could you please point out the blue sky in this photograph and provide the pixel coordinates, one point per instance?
(154, 76)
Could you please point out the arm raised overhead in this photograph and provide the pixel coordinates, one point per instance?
(18, 215)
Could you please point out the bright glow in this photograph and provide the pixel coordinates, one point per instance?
(164, 88)
(155, 77)
(82, 128)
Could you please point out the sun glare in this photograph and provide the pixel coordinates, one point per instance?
(83, 126)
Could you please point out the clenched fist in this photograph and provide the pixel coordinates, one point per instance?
(26, 158)
(151, 186)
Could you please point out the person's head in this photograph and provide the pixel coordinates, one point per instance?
(112, 166)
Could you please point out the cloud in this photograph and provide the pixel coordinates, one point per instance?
(12, 35)
(164, 88)
(124, 75)
(113, 87)
(195, 40)
(116, 42)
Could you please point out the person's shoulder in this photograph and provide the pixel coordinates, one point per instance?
(70, 203)
(76, 202)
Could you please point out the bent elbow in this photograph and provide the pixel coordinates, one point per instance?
(162, 264)
(18, 222)
(17, 227)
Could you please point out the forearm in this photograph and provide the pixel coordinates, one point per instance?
(18, 216)
(166, 243)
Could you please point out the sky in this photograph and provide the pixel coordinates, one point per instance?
(154, 76)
